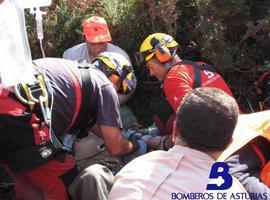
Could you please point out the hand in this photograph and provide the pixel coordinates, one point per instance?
(132, 134)
(140, 151)
(126, 134)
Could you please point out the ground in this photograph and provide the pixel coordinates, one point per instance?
(6, 186)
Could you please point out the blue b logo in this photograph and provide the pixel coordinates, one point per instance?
(223, 180)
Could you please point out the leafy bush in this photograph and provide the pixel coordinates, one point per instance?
(234, 40)
(232, 35)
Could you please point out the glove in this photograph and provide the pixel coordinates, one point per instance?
(151, 130)
(142, 150)
(126, 134)
(133, 134)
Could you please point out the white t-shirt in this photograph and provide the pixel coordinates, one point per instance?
(80, 52)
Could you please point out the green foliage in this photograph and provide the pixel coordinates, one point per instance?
(231, 34)
(62, 29)
(235, 39)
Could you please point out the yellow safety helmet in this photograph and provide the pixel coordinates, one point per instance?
(112, 63)
(159, 45)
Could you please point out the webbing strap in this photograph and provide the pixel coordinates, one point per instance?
(87, 113)
(197, 77)
(197, 71)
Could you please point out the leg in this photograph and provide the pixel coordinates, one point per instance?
(24, 188)
(54, 177)
(94, 182)
(164, 117)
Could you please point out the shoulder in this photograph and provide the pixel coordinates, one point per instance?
(176, 74)
(180, 68)
(74, 50)
(113, 48)
(76, 47)
(101, 82)
(147, 161)
(99, 76)
(54, 62)
(180, 71)
(57, 67)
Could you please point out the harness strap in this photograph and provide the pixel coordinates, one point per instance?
(198, 77)
(86, 116)
(33, 94)
(197, 71)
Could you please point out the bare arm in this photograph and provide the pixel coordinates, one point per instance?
(116, 144)
(96, 130)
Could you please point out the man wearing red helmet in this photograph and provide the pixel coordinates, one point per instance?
(98, 38)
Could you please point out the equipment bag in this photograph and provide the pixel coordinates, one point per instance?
(25, 141)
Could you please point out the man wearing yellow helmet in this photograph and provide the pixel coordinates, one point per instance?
(98, 40)
(118, 70)
(158, 53)
(38, 104)
(90, 102)
(82, 97)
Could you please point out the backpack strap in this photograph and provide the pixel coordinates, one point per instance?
(197, 71)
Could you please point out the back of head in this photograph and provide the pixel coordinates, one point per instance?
(95, 30)
(112, 63)
(206, 119)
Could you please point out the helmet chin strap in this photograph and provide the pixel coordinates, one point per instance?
(168, 65)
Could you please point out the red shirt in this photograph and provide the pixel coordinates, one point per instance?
(179, 81)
